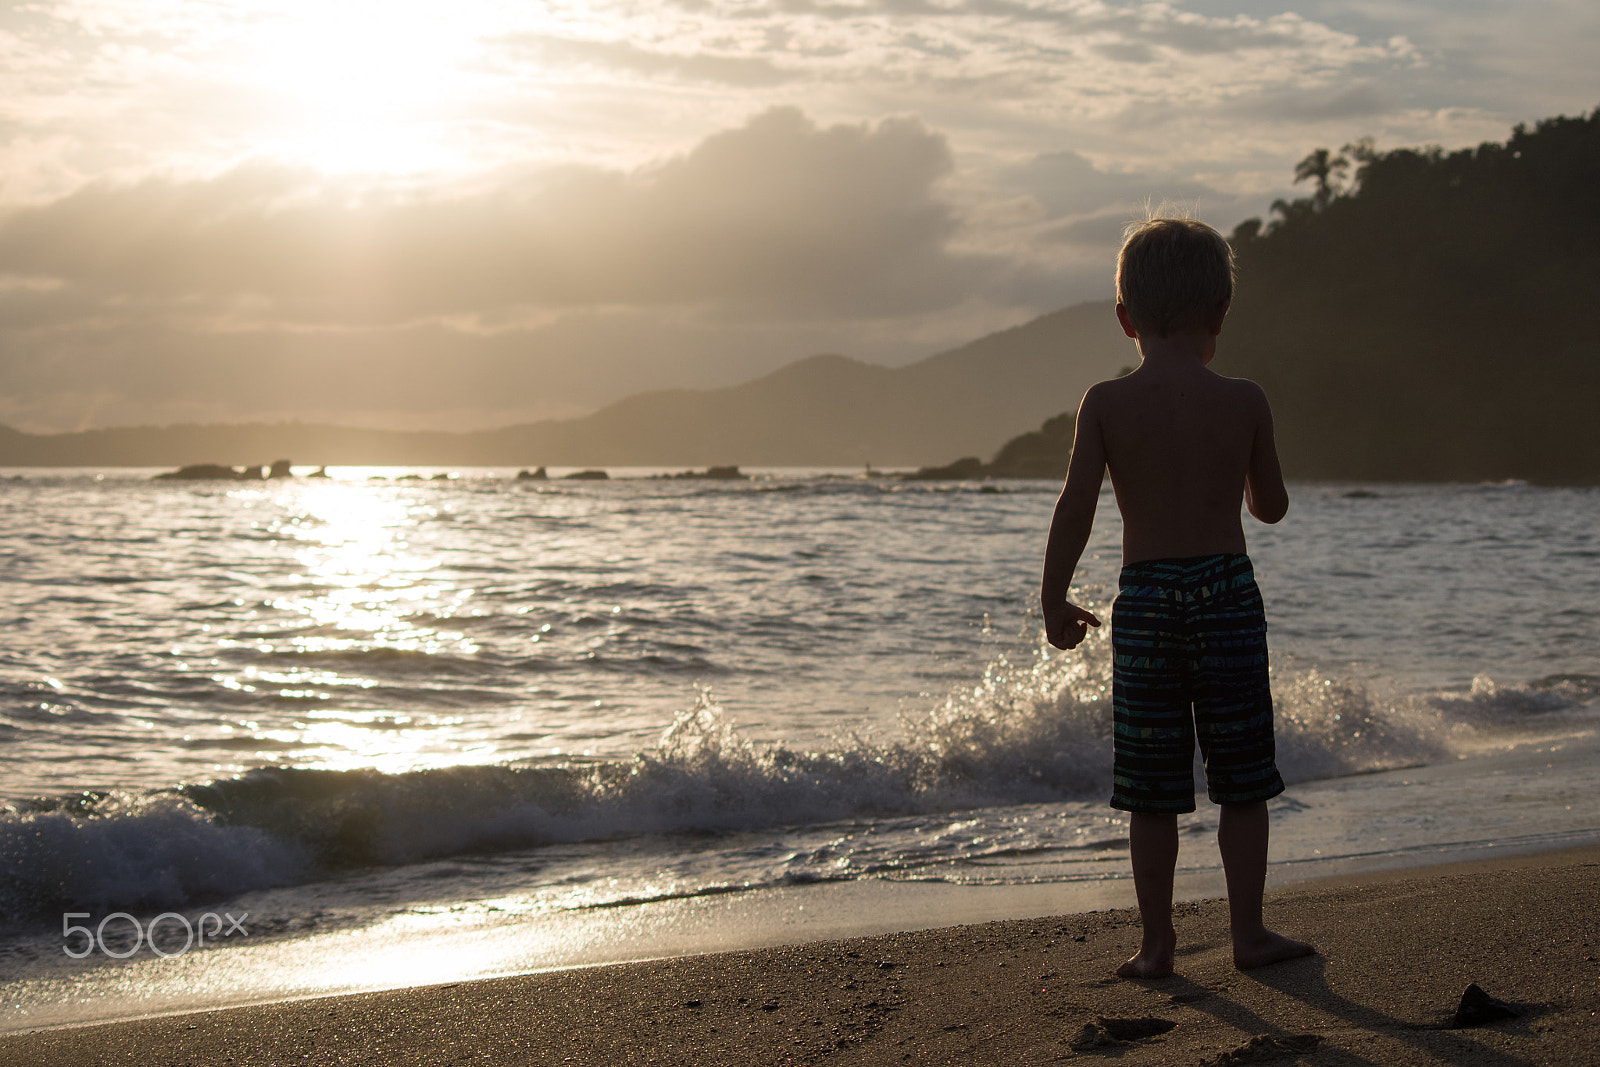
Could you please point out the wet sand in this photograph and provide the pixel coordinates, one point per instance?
(1398, 948)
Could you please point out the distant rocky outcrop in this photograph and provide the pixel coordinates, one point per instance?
(1041, 453)
(587, 476)
(963, 469)
(526, 475)
(714, 474)
(205, 472)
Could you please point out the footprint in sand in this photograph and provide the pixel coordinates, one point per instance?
(1106, 1033)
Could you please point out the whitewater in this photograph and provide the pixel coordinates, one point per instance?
(484, 711)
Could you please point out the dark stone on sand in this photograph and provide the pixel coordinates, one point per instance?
(443, 478)
(532, 476)
(320, 472)
(1478, 1008)
(1264, 1048)
(587, 476)
(1112, 1033)
(1136, 1029)
(280, 469)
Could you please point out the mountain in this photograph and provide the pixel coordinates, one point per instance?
(825, 410)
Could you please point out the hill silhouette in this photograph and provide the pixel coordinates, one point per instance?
(825, 410)
(1436, 320)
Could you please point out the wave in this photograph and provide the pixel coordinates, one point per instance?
(1029, 732)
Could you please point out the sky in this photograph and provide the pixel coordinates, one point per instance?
(471, 214)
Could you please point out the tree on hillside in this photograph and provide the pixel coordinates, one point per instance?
(1437, 316)
(1325, 169)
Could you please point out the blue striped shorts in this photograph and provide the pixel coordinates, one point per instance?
(1189, 662)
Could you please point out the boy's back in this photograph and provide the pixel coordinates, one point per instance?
(1181, 444)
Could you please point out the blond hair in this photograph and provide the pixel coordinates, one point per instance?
(1173, 274)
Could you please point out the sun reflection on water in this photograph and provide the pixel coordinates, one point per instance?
(366, 589)
(361, 591)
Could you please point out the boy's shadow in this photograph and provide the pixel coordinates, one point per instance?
(1306, 981)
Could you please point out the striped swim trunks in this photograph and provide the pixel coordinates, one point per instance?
(1189, 662)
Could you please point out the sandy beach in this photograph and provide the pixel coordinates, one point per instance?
(1398, 950)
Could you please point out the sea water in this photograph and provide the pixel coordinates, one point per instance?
(532, 714)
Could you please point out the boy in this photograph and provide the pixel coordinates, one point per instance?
(1183, 444)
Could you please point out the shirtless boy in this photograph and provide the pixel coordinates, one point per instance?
(1188, 635)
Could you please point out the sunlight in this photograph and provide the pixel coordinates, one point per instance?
(368, 84)
(363, 591)
(367, 585)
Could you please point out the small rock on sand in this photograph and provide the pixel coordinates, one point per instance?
(1264, 1048)
(1112, 1033)
(1478, 1008)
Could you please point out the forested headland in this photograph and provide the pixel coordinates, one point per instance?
(1431, 315)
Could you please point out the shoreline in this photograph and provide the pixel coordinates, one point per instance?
(1399, 947)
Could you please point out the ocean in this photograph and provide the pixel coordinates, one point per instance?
(423, 728)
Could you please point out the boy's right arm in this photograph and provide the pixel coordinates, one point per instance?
(1065, 623)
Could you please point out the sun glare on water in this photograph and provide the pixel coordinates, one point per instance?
(364, 590)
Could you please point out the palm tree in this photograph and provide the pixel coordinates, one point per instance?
(1325, 168)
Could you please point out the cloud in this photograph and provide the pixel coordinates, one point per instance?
(273, 292)
(1317, 105)
(698, 66)
(1068, 184)
(779, 216)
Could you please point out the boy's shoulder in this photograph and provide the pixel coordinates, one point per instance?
(1128, 388)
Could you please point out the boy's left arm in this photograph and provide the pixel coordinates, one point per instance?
(1265, 496)
(1065, 623)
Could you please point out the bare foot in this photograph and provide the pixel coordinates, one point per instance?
(1154, 959)
(1268, 947)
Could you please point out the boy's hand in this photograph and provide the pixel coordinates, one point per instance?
(1066, 624)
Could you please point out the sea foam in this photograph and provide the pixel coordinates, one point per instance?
(1030, 731)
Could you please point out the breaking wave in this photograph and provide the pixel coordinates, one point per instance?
(1027, 732)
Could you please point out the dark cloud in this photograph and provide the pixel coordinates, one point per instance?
(737, 71)
(1315, 105)
(1067, 184)
(778, 216)
(268, 292)
(1093, 231)
(1128, 51)
(1141, 28)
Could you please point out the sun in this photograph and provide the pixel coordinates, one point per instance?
(365, 86)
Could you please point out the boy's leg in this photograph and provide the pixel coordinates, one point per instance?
(1242, 833)
(1153, 845)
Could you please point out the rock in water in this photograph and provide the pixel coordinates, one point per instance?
(198, 472)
